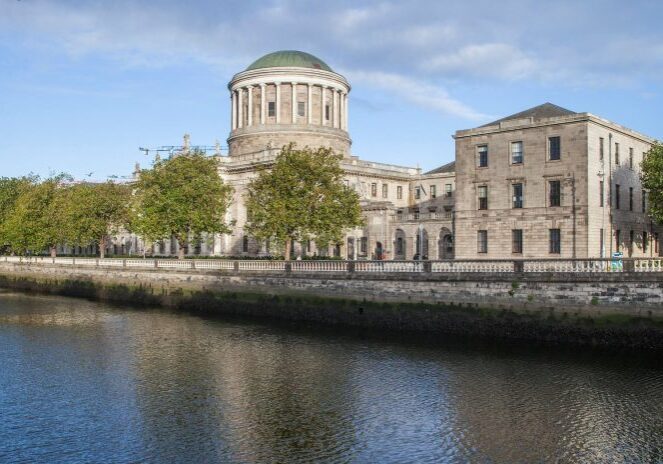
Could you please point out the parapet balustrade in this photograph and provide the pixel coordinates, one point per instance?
(494, 266)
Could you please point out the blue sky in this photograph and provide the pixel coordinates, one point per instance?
(83, 84)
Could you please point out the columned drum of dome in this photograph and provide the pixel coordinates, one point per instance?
(285, 97)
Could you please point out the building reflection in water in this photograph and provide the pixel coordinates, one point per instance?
(102, 384)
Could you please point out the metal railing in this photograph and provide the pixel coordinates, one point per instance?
(494, 266)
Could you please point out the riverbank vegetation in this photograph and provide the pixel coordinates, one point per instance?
(300, 197)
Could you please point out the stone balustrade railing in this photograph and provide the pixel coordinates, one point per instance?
(435, 267)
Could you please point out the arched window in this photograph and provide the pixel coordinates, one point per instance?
(245, 244)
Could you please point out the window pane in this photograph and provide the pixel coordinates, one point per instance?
(482, 151)
(517, 240)
(555, 148)
(554, 241)
(517, 195)
(516, 152)
(301, 108)
(483, 197)
(482, 241)
(555, 193)
(271, 109)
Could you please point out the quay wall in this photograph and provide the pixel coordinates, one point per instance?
(603, 309)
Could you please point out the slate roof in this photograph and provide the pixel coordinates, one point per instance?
(449, 167)
(547, 110)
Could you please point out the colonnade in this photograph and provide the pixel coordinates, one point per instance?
(338, 117)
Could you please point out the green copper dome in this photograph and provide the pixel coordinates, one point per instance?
(287, 59)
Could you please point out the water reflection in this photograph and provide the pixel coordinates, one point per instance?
(84, 382)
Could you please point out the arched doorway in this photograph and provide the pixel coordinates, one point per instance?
(446, 245)
(399, 244)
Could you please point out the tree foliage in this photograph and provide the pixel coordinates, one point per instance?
(652, 180)
(94, 211)
(10, 189)
(302, 197)
(35, 222)
(183, 197)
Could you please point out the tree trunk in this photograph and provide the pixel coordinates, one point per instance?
(102, 247)
(288, 247)
(54, 252)
(180, 250)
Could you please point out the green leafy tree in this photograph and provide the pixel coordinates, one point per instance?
(36, 222)
(95, 211)
(10, 189)
(183, 197)
(302, 197)
(652, 180)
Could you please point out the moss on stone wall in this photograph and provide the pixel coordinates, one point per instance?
(467, 321)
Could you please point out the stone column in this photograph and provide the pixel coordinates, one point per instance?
(334, 107)
(240, 118)
(250, 106)
(309, 103)
(278, 102)
(345, 110)
(340, 109)
(262, 103)
(294, 103)
(233, 110)
(322, 105)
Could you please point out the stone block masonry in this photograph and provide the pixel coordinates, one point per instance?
(623, 310)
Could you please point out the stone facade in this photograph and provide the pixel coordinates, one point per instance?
(541, 173)
(537, 196)
(278, 104)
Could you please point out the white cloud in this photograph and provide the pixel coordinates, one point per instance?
(418, 92)
(421, 40)
(485, 60)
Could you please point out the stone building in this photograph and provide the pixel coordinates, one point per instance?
(291, 96)
(551, 183)
(542, 183)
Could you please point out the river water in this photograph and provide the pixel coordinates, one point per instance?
(88, 382)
